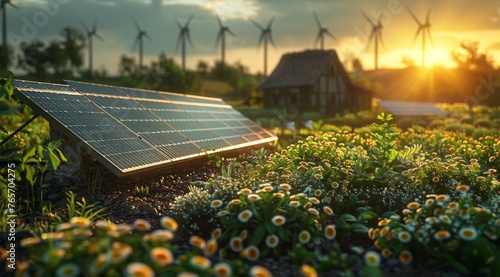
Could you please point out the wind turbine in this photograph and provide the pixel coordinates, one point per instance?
(422, 28)
(3, 6)
(90, 34)
(182, 38)
(321, 33)
(265, 38)
(375, 34)
(139, 39)
(221, 37)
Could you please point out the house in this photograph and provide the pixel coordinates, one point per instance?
(313, 81)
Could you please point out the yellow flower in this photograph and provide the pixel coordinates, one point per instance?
(160, 235)
(259, 271)
(252, 253)
(161, 256)
(235, 201)
(285, 187)
(318, 192)
(490, 234)
(330, 232)
(404, 236)
(335, 185)
(413, 205)
(68, 270)
(222, 270)
(308, 271)
(211, 248)
(222, 213)
(169, 223)
(81, 233)
(463, 188)
(236, 244)
(253, 197)
(278, 220)
(105, 225)
(468, 233)
(119, 252)
(200, 262)
(405, 257)
(99, 264)
(142, 225)
(137, 269)
(294, 204)
(245, 215)
(314, 200)
(304, 236)
(372, 259)
(386, 253)
(216, 233)
(243, 234)
(64, 227)
(272, 241)
(54, 256)
(216, 203)
(198, 242)
(245, 191)
(27, 242)
(267, 188)
(442, 234)
(80, 222)
(327, 210)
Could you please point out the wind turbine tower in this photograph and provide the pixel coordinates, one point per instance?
(375, 34)
(221, 38)
(182, 38)
(264, 39)
(90, 34)
(423, 28)
(139, 40)
(322, 32)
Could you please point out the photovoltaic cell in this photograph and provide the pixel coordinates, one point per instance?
(129, 130)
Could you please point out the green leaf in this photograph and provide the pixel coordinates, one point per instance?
(353, 197)
(30, 174)
(259, 234)
(359, 228)
(371, 271)
(52, 160)
(347, 217)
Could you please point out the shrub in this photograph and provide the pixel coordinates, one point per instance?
(441, 232)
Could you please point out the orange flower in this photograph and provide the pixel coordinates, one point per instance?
(200, 262)
(304, 236)
(169, 223)
(141, 225)
(211, 247)
(162, 256)
(272, 241)
(236, 244)
(413, 205)
(252, 253)
(330, 232)
(386, 253)
(442, 234)
(259, 271)
(405, 257)
(327, 210)
(463, 188)
(308, 271)
(278, 220)
(286, 187)
(223, 270)
(216, 233)
(243, 234)
(198, 242)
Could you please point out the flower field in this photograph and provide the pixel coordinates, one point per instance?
(374, 202)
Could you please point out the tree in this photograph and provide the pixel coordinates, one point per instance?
(74, 44)
(357, 65)
(128, 66)
(56, 57)
(469, 58)
(202, 67)
(34, 58)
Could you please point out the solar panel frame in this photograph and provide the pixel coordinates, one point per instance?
(157, 128)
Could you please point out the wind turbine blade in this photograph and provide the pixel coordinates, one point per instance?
(98, 37)
(189, 20)
(147, 36)
(257, 24)
(317, 20)
(430, 37)
(379, 35)
(270, 37)
(330, 34)
(178, 23)
(414, 16)
(135, 43)
(219, 21)
(94, 27)
(84, 26)
(189, 39)
(12, 5)
(367, 17)
(136, 25)
(370, 39)
(416, 35)
(428, 16)
(230, 32)
(318, 38)
(270, 23)
(217, 40)
(261, 39)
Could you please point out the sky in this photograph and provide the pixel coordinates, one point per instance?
(294, 28)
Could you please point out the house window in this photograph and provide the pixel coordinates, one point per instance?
(275, 98)
(313, 100)
(293, 97)
(333, 99)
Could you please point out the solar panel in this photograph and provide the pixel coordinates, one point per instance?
(130, 130)
(407, 108)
